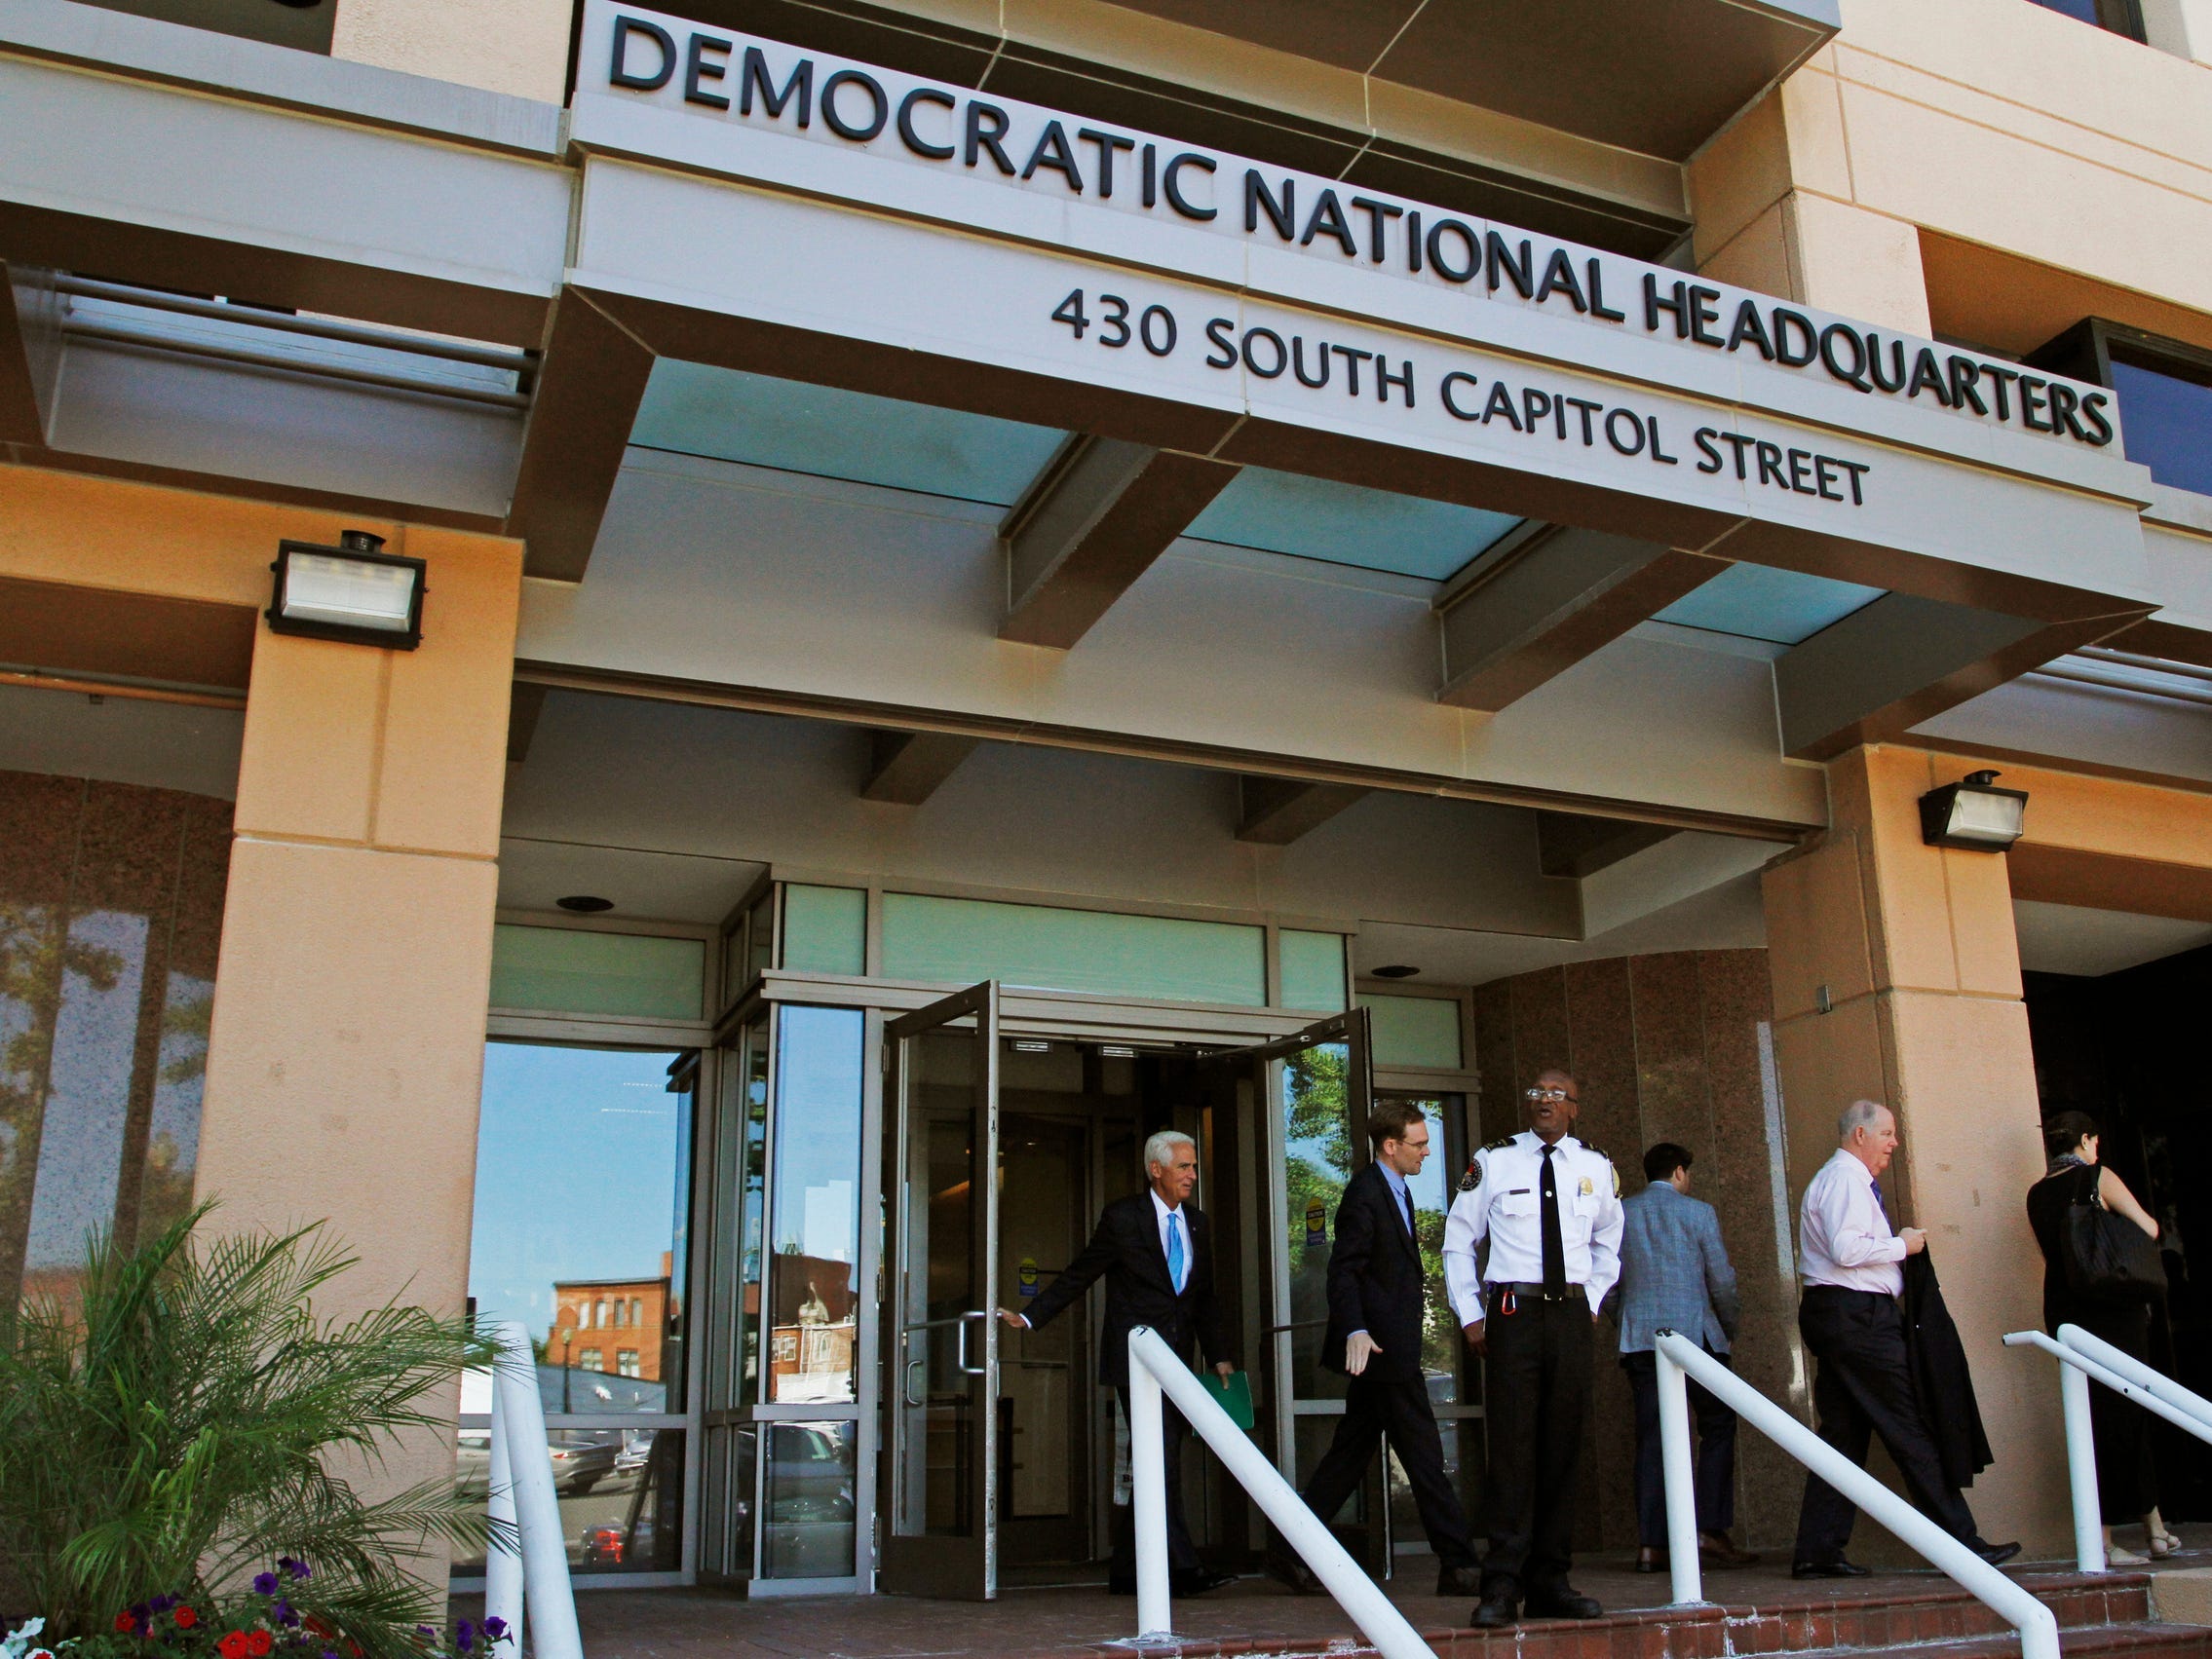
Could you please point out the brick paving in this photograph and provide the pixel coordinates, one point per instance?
(1757, 1610)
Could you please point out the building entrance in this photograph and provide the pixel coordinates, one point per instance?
(1002, 1457)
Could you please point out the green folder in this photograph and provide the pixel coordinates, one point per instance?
(1232, 1394)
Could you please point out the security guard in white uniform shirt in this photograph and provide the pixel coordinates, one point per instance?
(1549, 1208)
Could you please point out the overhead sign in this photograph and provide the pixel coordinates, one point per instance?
(748, 86)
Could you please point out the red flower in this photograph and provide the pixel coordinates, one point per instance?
(124, 1622)
(233, 1645)
(257, 1645)
(186, 1618)
(316, 1626)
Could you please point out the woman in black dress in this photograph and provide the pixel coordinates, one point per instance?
(2126, 1478)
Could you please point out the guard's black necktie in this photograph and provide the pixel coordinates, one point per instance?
(1555, 1246)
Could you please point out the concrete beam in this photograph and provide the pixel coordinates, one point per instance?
(1541, 606)
(526, 701)
(905, 767)
(1567, 843)
(1276, 811)
(589, 385)
(29, 354)
(1092, 522)
(1902, 660)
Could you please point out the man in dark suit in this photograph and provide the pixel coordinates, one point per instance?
(1378, 1293)
(1156, 1252)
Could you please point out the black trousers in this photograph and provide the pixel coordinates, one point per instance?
(1865, 1388)
(1535, 1393)
(1182, 1554)
(1715, 1481)
(1375, 1405)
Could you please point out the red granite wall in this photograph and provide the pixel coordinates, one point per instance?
(1668, 1048)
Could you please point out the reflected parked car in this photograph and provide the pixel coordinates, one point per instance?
(472, 1464)
(582, 1460)
(813, 1477)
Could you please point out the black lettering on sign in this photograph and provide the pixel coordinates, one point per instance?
(879, 106)
(695, 69)
(913, 139)
(756, 79)
(618, 71)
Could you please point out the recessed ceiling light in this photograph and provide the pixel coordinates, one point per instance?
(1116, 1051)
(1030, 1045)
(585, 904)
(1396, 970)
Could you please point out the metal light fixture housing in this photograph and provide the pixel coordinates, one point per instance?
(355, 592)
(1973, 813)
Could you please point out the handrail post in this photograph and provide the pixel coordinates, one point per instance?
(2082, 1469)
(1148, 1480)
(1153, 1363)
(1681, 1493)
(503, 1562)
(547, 1591)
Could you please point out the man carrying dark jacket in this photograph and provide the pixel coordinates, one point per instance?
(1378, 1294)
(1155, 1251)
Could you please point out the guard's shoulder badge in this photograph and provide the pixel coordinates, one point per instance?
(1500, 1143)
(1474, 1176)
(1593, 1146)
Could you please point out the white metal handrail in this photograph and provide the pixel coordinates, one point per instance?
(1154, 1370)
(2083, 1357)
(536, 1575)
(1680, 1358)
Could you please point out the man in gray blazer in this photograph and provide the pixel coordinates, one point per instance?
(1675, 1276)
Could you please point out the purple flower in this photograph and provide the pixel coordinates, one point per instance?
(294, 1569)
(285, 1613)
(329, 1654)
(464, 1635)
(161, 1603)
(426, 1633)
(264, 1584)
(495, 1629)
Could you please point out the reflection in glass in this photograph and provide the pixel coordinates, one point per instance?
(1317, 1134)
(814, 1281)
(111, 904)
(2166, 423)
(1432, 1191)
(581, 1180)
(619, 1490)
(810, 1500)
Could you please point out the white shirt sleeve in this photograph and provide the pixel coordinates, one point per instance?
(1464, 1231)
(1605, 1242)
(1857, 1232)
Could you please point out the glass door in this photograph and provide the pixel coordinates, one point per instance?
(1318, 1089)
(939, 1494)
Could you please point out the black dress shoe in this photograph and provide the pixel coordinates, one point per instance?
(1562, 1601)
(1499, 1610)
(1997, 1554)
(1293, 1574)
(1833, 1567)
(1464, 1579)
(1199, 1582)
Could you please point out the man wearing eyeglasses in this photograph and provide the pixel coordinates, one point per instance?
(1548, 1205)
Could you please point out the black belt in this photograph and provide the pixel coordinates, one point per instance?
(1521, 1288)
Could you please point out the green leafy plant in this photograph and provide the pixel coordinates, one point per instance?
(188, 1418)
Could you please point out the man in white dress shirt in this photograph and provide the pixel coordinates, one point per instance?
(1852, 1265)
(1550, 1206)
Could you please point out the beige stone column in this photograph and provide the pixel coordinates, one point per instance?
(1897, 977)
(346, 1052)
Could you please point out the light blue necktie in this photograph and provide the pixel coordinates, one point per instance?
(1175, 1250)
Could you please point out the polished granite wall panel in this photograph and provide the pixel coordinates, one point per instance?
(1666, 1047)
(110, 907)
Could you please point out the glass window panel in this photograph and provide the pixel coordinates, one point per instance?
(1317, 1163)
(2166, 423)
(570, 971)
(620, 1491)
(814, 1277)
(1432, 1191)
(579, 1152)
(1414, 1030)
(810, 1500)
(734, 979)
(967, 940)
(760, 937)
(1312, 971)
(825, 929)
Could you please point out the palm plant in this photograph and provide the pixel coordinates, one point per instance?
(188, 1421)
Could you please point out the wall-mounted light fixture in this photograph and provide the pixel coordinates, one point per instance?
(1973, 813)
(355, 592)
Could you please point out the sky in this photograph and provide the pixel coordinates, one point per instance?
(576, 1173)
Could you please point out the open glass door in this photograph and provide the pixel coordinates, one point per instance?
(939, 1341)
(1317, 1086)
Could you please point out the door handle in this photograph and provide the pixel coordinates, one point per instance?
(907, 1383)
(961, 1346)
